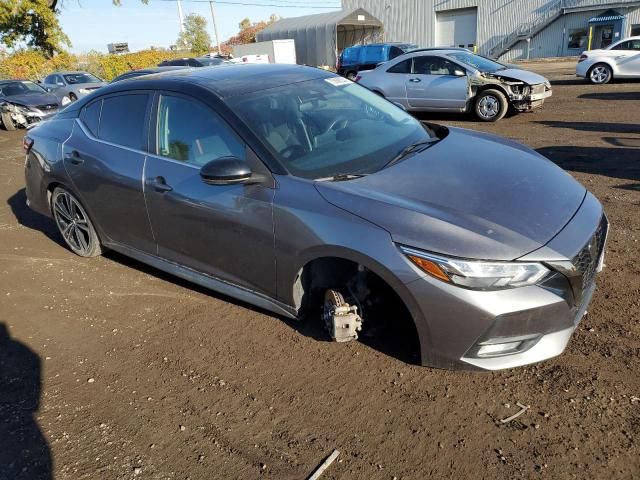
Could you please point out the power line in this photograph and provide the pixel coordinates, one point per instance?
(226, 2)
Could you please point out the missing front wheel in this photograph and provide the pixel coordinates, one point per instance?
(341, 319)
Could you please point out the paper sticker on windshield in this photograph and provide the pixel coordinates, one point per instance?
(338, 81)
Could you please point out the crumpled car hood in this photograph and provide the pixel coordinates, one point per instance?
(31, 99)
(521, 75)
(471, 195)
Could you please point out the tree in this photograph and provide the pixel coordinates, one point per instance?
(248, 32)
(33, 22)
(194, 37)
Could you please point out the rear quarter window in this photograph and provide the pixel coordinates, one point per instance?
(90, 116)
(122, 120)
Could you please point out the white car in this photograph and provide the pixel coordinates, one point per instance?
(618, 60)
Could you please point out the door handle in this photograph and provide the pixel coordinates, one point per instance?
(74, 157)
(415, 80)
(159, 184)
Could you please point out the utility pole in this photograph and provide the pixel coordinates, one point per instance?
(215, 26)
(180, 15)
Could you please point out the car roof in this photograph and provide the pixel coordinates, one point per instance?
(226, 80)
(68, 72)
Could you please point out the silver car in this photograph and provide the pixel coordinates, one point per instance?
(73, 85)
(304, 193)
(455, 80)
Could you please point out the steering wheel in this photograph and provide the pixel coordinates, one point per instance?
(293, 151)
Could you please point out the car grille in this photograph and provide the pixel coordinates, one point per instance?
(48, 107)
(586, 261)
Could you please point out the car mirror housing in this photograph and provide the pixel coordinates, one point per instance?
(227, 170)
(459, 73)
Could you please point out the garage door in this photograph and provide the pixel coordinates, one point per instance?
(456, 28)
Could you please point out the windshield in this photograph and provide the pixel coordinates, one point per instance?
(478, 62)
(72, 78)
(208, 62)
(19, 88)
(325, 127)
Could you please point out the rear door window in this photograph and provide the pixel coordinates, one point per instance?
(401, 67)
(122, 120)
(90, 116)
(189, 131)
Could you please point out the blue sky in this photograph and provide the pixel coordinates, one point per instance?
(92, 24)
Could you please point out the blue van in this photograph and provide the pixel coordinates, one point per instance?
(366, 57)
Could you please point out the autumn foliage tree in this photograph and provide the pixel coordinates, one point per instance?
(248, 32)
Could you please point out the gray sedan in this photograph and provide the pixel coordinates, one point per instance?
(73, 85)
(301, 192)
(455, 80)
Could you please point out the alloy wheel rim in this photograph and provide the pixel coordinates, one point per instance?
(72, 222)
(489, 106)
(599, 74)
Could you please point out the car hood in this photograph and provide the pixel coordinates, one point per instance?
(519, 74)
(32, 99)
(471, 195)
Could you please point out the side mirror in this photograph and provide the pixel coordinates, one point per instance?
(459, 73)
(225, 171)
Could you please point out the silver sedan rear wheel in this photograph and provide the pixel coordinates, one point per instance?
(74, 224)
(600, 74)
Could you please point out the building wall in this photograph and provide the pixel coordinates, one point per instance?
(415, 21)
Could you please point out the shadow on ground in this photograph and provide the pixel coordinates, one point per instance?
(611, 96)
(24, 453)
(593, 126)
(30, 219)
(611, 162)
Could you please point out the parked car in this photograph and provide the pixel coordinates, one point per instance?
(193, 62)
(618, 60)
(23, 103)
(366, 57)
(145, 71)
(74, 85)
(454, 80)
(299, 191)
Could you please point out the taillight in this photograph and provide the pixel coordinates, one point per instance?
(27, 143)
(358, 78)
(582, 58)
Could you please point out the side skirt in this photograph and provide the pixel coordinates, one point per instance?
(206, 281)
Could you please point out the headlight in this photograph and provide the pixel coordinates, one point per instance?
(477, 275)
(65, 101)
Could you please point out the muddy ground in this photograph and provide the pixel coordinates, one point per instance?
(112, 370)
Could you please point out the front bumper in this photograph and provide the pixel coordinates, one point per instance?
(465, 329)
(525, 103)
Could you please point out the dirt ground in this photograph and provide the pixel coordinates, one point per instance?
(112, 370)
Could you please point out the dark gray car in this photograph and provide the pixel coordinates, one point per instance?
(299, 191)
(23, 103)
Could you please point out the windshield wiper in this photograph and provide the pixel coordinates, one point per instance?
(413, 148)
(339, 177)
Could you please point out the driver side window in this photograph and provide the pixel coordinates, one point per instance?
(434, 66)
(190, 132)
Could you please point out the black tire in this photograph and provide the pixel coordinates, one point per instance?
(599, 74)
(72, 97)
(352, 75)
(7, 121)
(491, 105)
(74, 224)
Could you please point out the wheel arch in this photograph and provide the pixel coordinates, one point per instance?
(349, 258)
